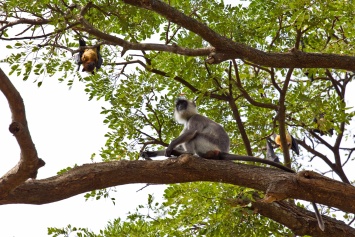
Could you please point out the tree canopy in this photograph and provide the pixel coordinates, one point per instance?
(259, 68)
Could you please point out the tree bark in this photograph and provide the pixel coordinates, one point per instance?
(277, 184)
(226, 49)
(29, 162)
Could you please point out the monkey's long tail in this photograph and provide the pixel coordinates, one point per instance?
(227, 156)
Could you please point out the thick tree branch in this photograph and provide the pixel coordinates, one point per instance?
(289, 215)
(227, 49)
(278, 184)
(299, 220)
(29, 162)
(126, 45)
(221, 49)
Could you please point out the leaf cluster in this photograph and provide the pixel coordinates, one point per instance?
(253, 101)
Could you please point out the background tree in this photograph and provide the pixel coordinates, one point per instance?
(259, 69)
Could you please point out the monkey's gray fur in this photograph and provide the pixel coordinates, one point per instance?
(203, 137)
(200, 134)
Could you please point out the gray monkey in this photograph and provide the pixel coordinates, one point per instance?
(200, 134)
(203, 137)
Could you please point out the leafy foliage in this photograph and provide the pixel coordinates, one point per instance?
(252, 102)
(201, 213)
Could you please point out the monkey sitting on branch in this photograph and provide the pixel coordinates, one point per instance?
(203, 137)
(207, 139)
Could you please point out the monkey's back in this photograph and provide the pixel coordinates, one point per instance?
(210, 136)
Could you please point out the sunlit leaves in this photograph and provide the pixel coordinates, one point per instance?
(141, 87)
(192, 209)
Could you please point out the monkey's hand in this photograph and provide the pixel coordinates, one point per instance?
(168, 151)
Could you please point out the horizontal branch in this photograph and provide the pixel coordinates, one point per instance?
(226, 49)
(288, 214)
(299, 220)
(221, 48)
(20, 21)
(305, 185)
(126, 45)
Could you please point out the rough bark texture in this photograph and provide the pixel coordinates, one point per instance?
(225, 49)
(276, 183)
(29, 162)
(289, 215)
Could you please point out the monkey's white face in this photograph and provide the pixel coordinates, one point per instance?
(179, 118)
(183, 115)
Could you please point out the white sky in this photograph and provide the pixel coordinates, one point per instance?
(66, 129)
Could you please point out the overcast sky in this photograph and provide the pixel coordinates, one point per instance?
(66, 129)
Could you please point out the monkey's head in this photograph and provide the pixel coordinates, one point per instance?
(184, 109)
